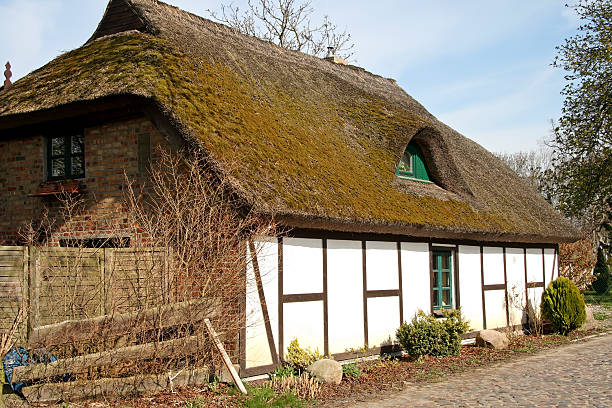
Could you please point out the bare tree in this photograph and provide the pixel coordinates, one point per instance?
(287, 23)
(533, 167)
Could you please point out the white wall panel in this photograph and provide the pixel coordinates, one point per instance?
(515, 263)
(415, 278)
(550, 264)
(383, 320)
(304, 321)
(302, 265)
(493, 262)
(381, 265)
(344, 295)
(495, 305)
(470, 285)
(257, 347)
(535, 298)
(534, 265)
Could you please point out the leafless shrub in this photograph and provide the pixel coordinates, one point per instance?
(187, 239)
(577, 261)
(531, 317)
(303, 386)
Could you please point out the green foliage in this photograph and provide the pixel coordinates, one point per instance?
(601, 316)
(300, 358)
(428, 335)
(601, 285)
(582, 166)
(262, 397)
(563, 305)
(282, 372)
(351, 370)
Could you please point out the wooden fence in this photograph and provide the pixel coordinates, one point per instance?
(58, 284)
(46, 381)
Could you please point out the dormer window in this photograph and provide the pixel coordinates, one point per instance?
(412, 165)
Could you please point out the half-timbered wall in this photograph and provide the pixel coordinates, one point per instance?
(339, 295)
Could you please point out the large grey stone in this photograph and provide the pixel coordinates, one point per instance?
(590, 322)
(326, 371)
(491, 339)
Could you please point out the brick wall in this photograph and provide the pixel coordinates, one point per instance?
(110, 150)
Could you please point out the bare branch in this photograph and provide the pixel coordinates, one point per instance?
(288, 24)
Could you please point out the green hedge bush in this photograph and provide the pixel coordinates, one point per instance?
(602, 274)
(563, 305)
(428, 335)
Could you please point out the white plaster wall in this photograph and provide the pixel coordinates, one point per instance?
(495, 304)
(493, 262)
(534, 265)
(415, 278)
(535, 298)
(302, 266)
(470, 285)
(383, 320)
(381, 265)
(257, 348)
(550, 265)
(344, 295)
(515, 263)
(304, 321)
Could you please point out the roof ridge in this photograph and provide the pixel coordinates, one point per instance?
(233, 31)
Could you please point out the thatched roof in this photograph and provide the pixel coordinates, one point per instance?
(317, 143)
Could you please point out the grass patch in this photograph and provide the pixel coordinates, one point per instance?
(196, 403)
(261, 397)
(604, 300)
(429, 375)
(601, 316)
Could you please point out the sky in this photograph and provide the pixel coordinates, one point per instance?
(481, 66)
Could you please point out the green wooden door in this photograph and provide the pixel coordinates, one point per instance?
(442, 280)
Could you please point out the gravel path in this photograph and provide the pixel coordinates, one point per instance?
(576, 375)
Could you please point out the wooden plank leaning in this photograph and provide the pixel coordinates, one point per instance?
(224, 356)
(136, 385)
(74, 331)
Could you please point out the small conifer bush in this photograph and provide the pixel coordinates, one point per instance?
(300, 358)
(563, 305)
(602, 274)
(428, 335)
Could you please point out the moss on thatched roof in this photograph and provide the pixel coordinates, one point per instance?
(302, 138)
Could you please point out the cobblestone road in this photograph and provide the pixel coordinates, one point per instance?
(576, 375)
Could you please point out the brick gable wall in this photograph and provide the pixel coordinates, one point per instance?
(111, 152)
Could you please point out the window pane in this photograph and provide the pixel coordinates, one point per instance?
(58, 168)
(435, 262)
(446, 282)
(405, 163)
(77, 144)
(435, 298)
(57, 146)
(77, 167)
(435, 279)
(446, 298)
(445, 261)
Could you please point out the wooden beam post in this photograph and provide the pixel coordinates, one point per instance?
(224, 356)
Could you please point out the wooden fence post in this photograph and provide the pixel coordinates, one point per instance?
(25, 289)
(33, 288)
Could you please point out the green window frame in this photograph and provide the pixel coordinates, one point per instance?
(412, 165)
(65, 156)
(442, 275)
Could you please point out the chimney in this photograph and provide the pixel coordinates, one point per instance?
(8, 74)
(331, 57)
